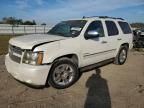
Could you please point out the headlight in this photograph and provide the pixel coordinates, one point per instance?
(33, 58)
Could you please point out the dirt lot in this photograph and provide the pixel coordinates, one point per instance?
(112, 87)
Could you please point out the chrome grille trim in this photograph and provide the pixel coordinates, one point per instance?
(15, 49)
(15, 53)
(15, 58)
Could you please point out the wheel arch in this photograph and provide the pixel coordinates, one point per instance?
(121, 45)
(125, 44)
(73, 57)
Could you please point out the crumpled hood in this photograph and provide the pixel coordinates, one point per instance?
(28, 41)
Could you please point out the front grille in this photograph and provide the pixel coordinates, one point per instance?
(15, 53)
(15, 58)
(16, 49)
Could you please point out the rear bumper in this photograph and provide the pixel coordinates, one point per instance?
(33, 75)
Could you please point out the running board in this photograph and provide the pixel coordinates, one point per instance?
(96, 65)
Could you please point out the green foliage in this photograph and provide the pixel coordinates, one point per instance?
(1, 22)
(138, 25)
(4, 44)
(14, 21)
(29, 23)
(43, 24)
(9, 20)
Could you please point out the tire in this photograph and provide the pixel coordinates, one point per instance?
(63, 74)
(121, 56)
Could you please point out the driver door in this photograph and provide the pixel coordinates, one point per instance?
(94, 49)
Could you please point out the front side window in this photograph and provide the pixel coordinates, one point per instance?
(111, 28)
(96, 26)
(125, 27)
(71, 28)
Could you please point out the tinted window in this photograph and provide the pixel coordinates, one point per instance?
(69, 28)
(112, 28)
(96, 26)
(125, 27)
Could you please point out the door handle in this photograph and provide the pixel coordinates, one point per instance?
(119, 39)
(103, 42)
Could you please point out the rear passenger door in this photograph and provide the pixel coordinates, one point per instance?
(113, 36)
(127, 36)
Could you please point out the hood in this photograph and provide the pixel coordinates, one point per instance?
(28, 41)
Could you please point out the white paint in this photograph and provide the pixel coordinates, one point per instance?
(95, 48)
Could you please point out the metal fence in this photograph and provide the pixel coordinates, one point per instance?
(22, 29)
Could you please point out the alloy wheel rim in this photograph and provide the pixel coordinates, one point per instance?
(123, 55)
(63, 74)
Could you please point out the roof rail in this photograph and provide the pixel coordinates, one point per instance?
(103, 17)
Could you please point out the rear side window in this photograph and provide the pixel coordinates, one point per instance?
(111, 28)
(125, 27)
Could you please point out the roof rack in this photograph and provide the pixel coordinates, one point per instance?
(103, 17)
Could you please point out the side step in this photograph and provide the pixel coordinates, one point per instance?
(97, 65)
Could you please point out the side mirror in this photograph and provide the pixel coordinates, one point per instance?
(92, 34)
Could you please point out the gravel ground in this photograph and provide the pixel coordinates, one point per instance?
(111, 86)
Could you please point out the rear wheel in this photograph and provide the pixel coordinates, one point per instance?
(121, 56)
(63, 74)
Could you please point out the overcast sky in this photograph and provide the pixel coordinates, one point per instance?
(52, 11)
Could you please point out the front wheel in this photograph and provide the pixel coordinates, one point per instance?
(63, 74)
(121, 56)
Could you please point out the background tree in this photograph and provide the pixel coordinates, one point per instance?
(33, 22)
(19, 22)
(29, 22)
(1, 22)
(43, 24)
(138, 25)
(9, 20)
(14, 21)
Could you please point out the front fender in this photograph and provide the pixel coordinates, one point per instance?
(50, 57)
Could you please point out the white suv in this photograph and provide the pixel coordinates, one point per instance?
(58, 57)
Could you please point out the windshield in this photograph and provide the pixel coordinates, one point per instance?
(71, 28)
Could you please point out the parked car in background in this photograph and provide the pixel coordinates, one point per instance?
(138, 39)
(142, 32)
